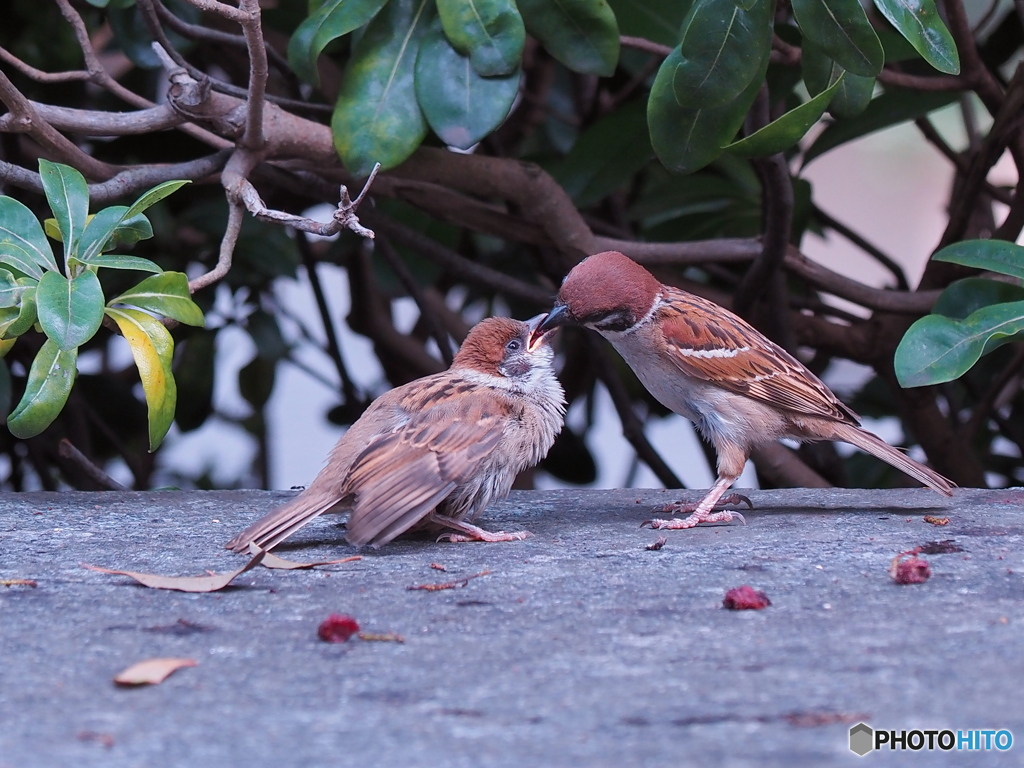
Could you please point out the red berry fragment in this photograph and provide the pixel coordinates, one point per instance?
(337, 628)
(745, 598)
(912, 570)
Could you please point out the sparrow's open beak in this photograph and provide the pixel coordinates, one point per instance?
(541, 325)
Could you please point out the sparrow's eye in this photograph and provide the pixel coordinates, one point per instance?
(514, 346)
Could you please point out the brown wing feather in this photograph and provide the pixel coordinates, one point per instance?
(760, 369)
(403, 475)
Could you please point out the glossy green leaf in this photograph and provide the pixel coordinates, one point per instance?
(99, 231)
(891, 108)
(5, 347)
(165, 294)
(50, 379)
(819, 72)
(119, 261)
(606, 155)
(582, 34)
(153, 349)
(653, 20)
(23, 245)
(785, 132)
(331, 20)
(153, 196)
(461, 106)
(964, 297)
(994, 255)
(377, 118)
(842, 30)
(720, 52)
(70, 311)
(919, 22)
(10, 291)
(17, 320)
(937, 349)
(686, 140)
(68, 196)
(490, 32)
(130, 231)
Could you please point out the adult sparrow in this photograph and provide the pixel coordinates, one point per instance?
(700, 360)
(435, 452)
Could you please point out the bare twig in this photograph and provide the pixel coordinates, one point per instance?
(88, 122)
(94, 473)
(226, 252)
(258, 73)
(988, 401)
(415, 290)
(76, 75)
(876, 253)
(643, 44)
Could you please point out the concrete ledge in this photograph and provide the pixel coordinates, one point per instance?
(581, 648)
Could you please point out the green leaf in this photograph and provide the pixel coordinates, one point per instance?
(606, 155)
(919, 22)
(377, 117)
(256, 381)
(785, 132)
(10, 291)
(153, 349)
(461, 106)
(720, 52)
(15, 323)
(129, 232)
(23, 245)
(994, 255)
(165, 294)
(964, 297)
(68, 195)
(154, 196)
(99, 231)
(582, 34)
(889, 109)
(70, 311)
(490, 32)
(937, 349)
(653, 20)
(118, 261)
(50, 380)
(333, 19)
(686, 140)
(842, 30)
(819, 71)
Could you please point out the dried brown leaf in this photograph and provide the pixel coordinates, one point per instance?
(280, 564)
(655, 546)
(381, 637)
(438, 567)
(18, 583)
(183, 583)
(448, 584)
(936, 520)
(151, 671)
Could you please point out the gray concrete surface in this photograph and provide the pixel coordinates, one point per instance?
(581, 648)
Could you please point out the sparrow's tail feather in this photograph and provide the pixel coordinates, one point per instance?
(882, 450)
(269, 531)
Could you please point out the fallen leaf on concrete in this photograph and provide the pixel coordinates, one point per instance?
(912, 570)
(438, 567)
(18, 583)
(337, 628)
(936, 520)
(382, 637)
(657, 544)
(745, 598)
(183, 583)
(448, 584)
(279, 563)
(944, 547)
(103, 739)
(151, 671)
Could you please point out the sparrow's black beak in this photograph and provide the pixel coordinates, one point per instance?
(558, 316)
(542, 325)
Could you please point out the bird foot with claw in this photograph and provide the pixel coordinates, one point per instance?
(482, 535)
(716, 515)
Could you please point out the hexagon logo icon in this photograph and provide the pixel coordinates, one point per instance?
(862, 739)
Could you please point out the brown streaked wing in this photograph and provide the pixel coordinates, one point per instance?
(762, 370)
(401, 476)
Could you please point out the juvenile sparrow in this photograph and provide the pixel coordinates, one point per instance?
(435, 452)
(700, 360)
